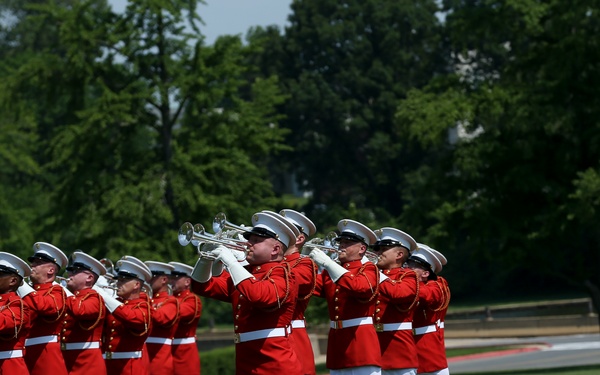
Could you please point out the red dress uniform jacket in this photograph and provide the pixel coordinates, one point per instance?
(82, 326)
(165, 314)
(186, 360)
(13, 330)
(263, 302)
(434, 297)
(396, 304)
(353, 296)
(304, 270)
(47, 307)
(125, 330)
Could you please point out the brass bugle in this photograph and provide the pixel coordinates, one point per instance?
(108, 287)
(372, 256)
(328, 246)
(220, 224)
(196, 235)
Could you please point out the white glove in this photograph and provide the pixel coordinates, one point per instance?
(335, 270)
(102, 281)
(67, 291)
(202, 270)
(382, 277)
(110, 302)
(24, 290)
(217, 268)
(236, 270)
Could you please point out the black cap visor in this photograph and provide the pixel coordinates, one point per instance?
(351, 237)
(46, 258)
(9, 270)
(80, 266)
(424, 265)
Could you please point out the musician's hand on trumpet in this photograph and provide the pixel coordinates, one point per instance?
(196, 235)
(323, 260)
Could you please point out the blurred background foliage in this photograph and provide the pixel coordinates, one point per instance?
(471, 125)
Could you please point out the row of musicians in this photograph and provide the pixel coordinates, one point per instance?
(86, 326)
(386, 315)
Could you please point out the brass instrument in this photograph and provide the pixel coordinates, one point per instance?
(220, 225)
(196, 235)
(327, 245)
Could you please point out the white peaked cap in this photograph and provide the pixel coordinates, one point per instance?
(391, 236)
(265, 225)
(128, 268)
(49, 253)
(13, 264)
(353, 230)
(290, 225)
(159, 268)
(181, 269)
(432, 257)
(79, 259)
(300, 220)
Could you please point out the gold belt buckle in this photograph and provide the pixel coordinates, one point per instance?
(108, 355)
(236, 338)
(379, 327)
(63, 346)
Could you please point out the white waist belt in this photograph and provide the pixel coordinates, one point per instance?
(440, 324)
(159, 340)
(426, 329)
(386, 327)
(298, 324)
(41, 340)
(261, 334)
(11, 354)
(339, 324)
(122, 355)
(185, 340)
(80, 345)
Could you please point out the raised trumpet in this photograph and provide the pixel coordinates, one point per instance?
(220, 224)
(196, 235)
(327, 245)
(110, 287)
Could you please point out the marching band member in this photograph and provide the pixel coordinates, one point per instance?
(350, 290)
(434, 297)
(263, 297)
(305, 273)
(84, 317)
(165, 315)
(396, 303)
(46, 304)
(129, 322)
(13, 318)
(186, 360)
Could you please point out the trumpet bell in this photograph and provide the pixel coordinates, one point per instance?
(186, 233)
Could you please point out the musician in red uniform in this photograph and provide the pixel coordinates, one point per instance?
(13, 318)
(305, 273)
(351, 290)
(263, 296)
(396, 303)
(434, 297)
(129, 322)
(46, 304)
(84, 317)
(186, 360)
(165, 314)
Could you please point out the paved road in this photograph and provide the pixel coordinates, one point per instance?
(544, 352)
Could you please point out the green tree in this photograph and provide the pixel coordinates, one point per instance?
(141, 126)
(512, 202)
(346, 65)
